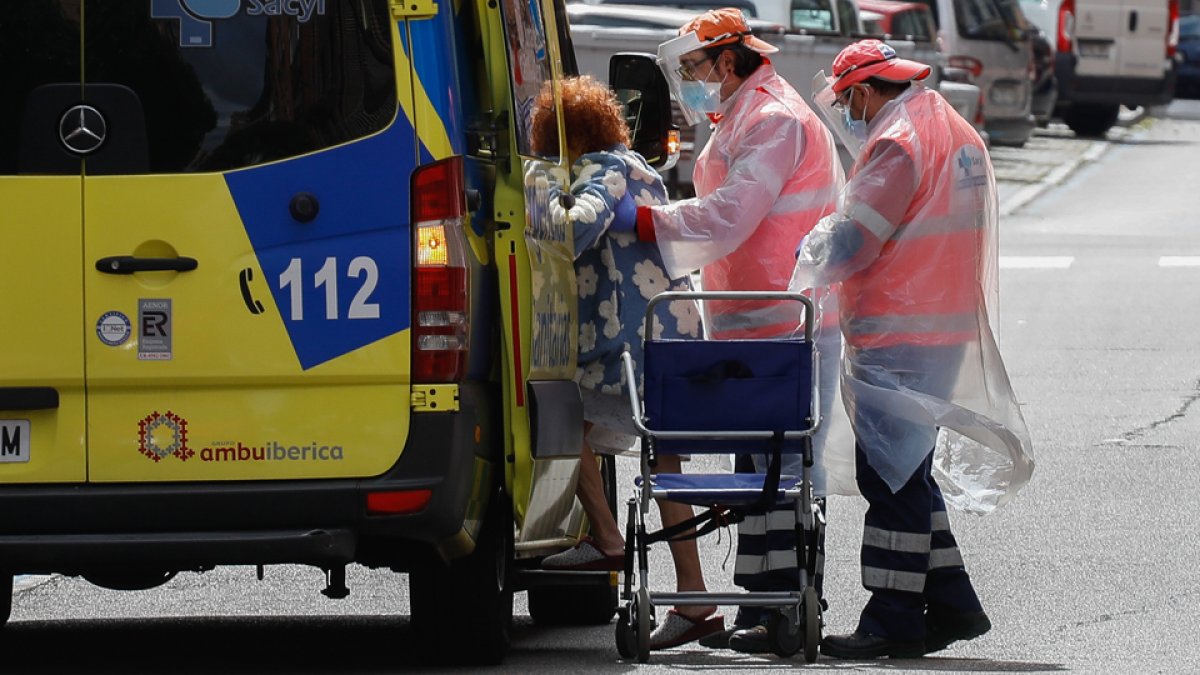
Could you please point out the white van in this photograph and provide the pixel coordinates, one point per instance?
(1108, 53)
(991, 40)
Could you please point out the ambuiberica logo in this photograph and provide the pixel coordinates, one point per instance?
(162, 435)
(196, 17)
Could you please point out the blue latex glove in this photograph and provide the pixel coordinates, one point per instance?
(625, 219)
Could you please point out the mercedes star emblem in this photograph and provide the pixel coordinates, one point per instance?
(82, 129)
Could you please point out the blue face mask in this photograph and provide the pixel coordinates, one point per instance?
(703, 97)
(857, 129)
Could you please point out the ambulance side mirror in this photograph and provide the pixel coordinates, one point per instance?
(643, 91)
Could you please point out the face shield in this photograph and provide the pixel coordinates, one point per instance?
(678, 58)
(849, 132)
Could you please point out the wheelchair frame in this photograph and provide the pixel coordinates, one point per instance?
(798, 623)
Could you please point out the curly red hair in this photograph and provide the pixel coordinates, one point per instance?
(595, 120)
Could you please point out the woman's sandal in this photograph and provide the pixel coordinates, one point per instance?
(584, 557)
(678, 629)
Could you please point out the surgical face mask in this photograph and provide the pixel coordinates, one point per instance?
(703, 97)
(856, 129)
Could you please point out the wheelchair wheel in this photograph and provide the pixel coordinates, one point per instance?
(644, 612)
(783, 634)
(626, 635)
(812, 624)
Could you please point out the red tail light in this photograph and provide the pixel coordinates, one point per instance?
(967, 63)
(440, 289)
(1172, 27)
(405, 501)
(1065, 42)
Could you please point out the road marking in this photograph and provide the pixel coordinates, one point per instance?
(1036, 262)
(1179, 261)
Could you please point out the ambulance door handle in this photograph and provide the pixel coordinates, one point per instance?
(28, 398)
(128, 264)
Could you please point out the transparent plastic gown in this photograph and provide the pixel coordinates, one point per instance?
(914, 243)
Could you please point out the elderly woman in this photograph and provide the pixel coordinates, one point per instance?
(617, 275)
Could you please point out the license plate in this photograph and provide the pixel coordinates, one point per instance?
(14, 441)
(1005, 94)
(1094, 50)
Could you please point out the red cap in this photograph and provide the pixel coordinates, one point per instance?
(873, 58)
(725, 26)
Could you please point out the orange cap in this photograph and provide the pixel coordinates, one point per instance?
(725, 26)
(873, 58)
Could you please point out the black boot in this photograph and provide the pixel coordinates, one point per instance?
(945, 628)
(860, 645)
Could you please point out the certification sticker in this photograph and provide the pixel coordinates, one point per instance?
(113, 328)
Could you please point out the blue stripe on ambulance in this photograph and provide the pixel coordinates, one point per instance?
(363, 192)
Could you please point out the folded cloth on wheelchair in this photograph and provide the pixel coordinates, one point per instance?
(707, 489)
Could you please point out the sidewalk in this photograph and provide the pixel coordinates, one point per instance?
(1051, 155)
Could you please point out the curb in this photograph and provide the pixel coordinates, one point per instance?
(1127, 120)
(1030, 192)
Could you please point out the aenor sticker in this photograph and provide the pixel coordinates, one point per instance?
(154, 329)
(113, 328)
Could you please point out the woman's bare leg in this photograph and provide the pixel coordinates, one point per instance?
(590, 490)
(689, 576)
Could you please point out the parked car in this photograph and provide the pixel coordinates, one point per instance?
(600, 30)
(636, 15)
(748, 8)
(991, 40)
(1187, 82)
(1045, 84)
(899, 19)
(893, 18)
(839, 17)
(1108, 53)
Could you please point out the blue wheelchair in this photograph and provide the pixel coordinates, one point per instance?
(743, 396)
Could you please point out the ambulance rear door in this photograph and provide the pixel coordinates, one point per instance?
(246, 257)
(42, 407)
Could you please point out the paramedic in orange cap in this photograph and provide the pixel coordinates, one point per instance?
(767, 174)
(913, 245)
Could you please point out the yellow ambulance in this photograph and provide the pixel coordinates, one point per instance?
(276, 293)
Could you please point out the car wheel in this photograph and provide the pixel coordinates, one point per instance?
(470, 599)
(1091, 121)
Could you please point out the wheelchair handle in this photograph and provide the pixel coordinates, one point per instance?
(667, 296)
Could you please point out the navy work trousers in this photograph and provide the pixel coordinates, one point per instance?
(910, 559)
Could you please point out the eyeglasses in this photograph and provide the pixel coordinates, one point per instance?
(687, 68)
(843, 99)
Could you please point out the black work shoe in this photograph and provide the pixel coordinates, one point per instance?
(860, 645)
(943, 629)
(751, 640)
(719, 639)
